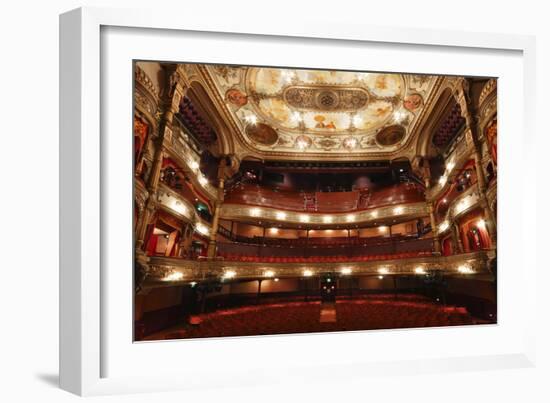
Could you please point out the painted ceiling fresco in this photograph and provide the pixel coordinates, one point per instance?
(293, 110)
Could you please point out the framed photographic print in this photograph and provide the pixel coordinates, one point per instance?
(297, 198)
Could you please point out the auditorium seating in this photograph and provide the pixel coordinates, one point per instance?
(365, 313)
(325, 202)
(321, 259)
(383, 249)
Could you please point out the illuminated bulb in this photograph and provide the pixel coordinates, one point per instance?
(193, 283)
(357, 120)
(252, 119)
(274, 230)
(382, 229)
(269, 273)
(450, 165)
(174, 276)
(203, 229)
(481, 223)
(327, 219)
(202, 180)
(296, 117)
(276, 280)
(442, 180)
(398, 210)
(304, 218)
(308, 273)
(443, 226)
(301, 144)
(229, 274)
(374, 214)
(465, 269)
(383, 270)
(345, 271)
(280, 215)
(255, 212)
(194, 165)
(350, 143)
(350, 218)
(419, 270)
(398, 116)
(380, 277)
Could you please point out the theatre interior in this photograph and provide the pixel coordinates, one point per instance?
(278, 201)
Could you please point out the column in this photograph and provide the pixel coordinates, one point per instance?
(456, 232)
(468, 112)
(437, 246)
(211, 253)
(186, 239)
(172, 103)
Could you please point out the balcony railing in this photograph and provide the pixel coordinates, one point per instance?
(366, 248)
(172, 271)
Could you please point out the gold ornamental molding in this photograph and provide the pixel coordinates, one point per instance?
(487, 90)
(462, 152)
(165, 271)
(176, 205)
(463, 204)
(146, 96)
(277, 215)
(188, 159)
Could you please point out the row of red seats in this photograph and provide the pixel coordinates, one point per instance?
(303, 317)
(324, 241)
(321, 259)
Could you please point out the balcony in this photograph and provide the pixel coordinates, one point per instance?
(325, 202)
(165, 271)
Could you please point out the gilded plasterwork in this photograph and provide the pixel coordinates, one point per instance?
(313, 111)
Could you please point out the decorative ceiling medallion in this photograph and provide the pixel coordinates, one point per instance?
(303, 142)
(390, 135)
(236, 97)
(326, 98)
(262, 134)
(412, 102)
(350, 143)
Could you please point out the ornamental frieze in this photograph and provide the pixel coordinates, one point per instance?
(326, 98)
(166, 270)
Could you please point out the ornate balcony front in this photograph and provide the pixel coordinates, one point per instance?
(165, 271)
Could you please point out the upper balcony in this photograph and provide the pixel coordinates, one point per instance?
(325, 202)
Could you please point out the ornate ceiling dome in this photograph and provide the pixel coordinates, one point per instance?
(282, 111)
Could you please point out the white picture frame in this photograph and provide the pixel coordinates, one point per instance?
(88, 312)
